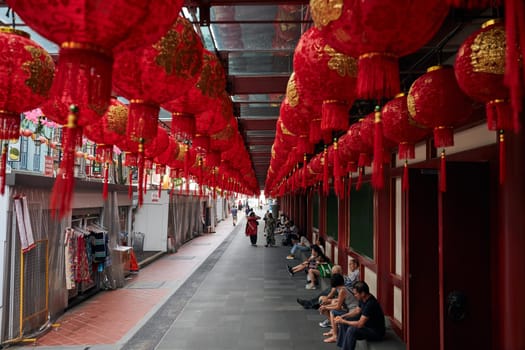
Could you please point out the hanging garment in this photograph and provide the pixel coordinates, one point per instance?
(23, 220)
(69, 253)
(83, 273)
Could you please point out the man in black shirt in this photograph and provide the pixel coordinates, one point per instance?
(370, 325)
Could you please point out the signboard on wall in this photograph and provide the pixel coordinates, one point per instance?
(49, 165)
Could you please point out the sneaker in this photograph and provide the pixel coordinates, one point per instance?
(310, 286)
(290, 270)
(325, 324)
(290, 257)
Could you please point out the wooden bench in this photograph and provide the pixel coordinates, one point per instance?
(390, 342)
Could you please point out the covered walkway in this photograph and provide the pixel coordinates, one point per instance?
(217, 292)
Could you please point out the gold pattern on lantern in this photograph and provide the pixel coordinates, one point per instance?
(286, 131)
(177, 51)
(344, 65)
(325, 11)
(291, 92)
(224, 134)
(411, 104)
(40, 69)
(117, 117)
(488, 51)
(210, 79)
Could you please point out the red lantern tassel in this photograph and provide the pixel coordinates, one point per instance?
(334, 115)
(130, 185)
(502, 158)
(140, 164)
(3, 163)
(146, 173)
(378, 181)
(377, 76)
(304, 145)
(406, 150)
(338, 185)
(187, 170)
(443, 136)
(499, 115)
(405, 177)
(443, 173)
(160, 185)
(349, 186)
(326, 186)
(360, 178)
(172, 192)
(65, 181)
(305, 169)
(315, 134)
(514, 71)
(364, 160)
(106, 180)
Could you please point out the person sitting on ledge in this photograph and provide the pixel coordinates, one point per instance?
(370, 325)
(302, 245)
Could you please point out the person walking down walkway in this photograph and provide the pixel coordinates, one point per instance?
(234, 215)
(251, 227)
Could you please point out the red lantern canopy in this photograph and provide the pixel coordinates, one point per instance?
(480, 4)
(154, 74)
(326, 77)
(26, 74)
(378, 32)
(436, 101)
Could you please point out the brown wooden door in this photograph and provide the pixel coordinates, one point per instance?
(465, 265)
(421, 261)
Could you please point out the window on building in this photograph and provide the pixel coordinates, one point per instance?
(362, 221)
(36, 159)
(23, 153)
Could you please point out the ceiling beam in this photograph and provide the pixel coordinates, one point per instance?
(256, 84)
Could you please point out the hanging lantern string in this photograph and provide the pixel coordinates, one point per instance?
(3, 164)
(443, 173)
(405, 176)
(502, 157)
(377, 171)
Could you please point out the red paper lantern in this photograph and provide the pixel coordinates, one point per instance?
(327, 78)
(170, 154)
(480, 69)
(378, 32)
(113, 128)
(436, 101)
(208, 88)
(399, 126)
(296, 116)
(26, 74)
(87, 33)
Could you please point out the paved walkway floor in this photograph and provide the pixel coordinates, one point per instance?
(216, 292)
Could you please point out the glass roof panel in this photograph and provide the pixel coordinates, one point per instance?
(260, 63)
